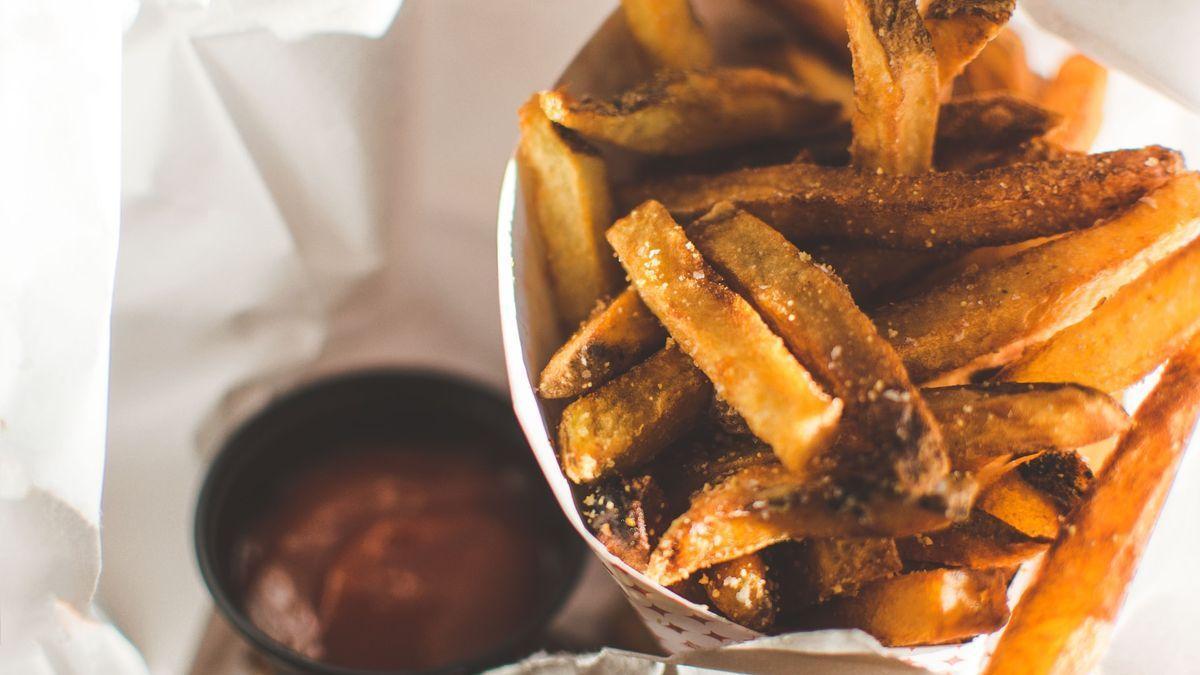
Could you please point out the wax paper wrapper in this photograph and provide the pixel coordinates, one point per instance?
(689, 631)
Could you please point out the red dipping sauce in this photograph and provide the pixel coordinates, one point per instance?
(394, 557)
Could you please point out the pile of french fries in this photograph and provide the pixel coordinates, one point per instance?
(850, 330)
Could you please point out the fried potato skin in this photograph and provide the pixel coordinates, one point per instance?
(1077, 93)
(982, 542)
(983, 319)
(895, 87)
(748, 365)
(627, 421)
(742, 591)
(669, 32)
(923, 608)
(1063, 621)
(627, 515)
(997, 206)
(1127, 337)
(960, 29)
(567, 197)
(901, 448)
(688, 112)
(612, 340)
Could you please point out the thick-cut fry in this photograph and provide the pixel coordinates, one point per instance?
(900, 447)
(985, 319)
(999, 206)
(1128, 336)
(986, 426)
(765, 504)
(627, 515)
(612, 340)
(567, 199)
(895, 86)
(1077, 93)
(686, 112)
(632, 418)
(815, 570)
(1001, 66)
(742, 591)
(992, 120)
(960, 29)
(982, 542)
(873, 274)
(748, 364)
(669, 32)
(822, 21)
(1063, 621)
(922, 608)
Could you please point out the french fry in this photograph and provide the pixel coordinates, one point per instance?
(1001, 66)
(627, 421)
(1077, 93)
(900, 447)
(1061, 475)
(748, 364)
(960, 29)
(922, 608)
(812, 71)
(1022, 507)
(872, 274)
(998, 206)
(981, 320)
(1063, 621)
(814, 570)
(973, 158)
(687, 112)
(742, 591)
(611, 341)
(992, 120)
(981, 542)
(765, 504)
(895, 86)
(567, 198)
(708, 461)
(1102, 351)
(627, 515)
(822, 22)
(669, 32)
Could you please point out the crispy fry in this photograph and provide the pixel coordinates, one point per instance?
(765, 504)
(632, 418)
(815, 570)
(1061, 475)
(686, 112)
(999, 206)
(822, 21)
(921, 608)
(979, 320)
(900, 446)
(982, 542)
(895, 86)
(1063, 621)
(1001, 66)
(611, 341)
(872, 274)
(627, 515)
(1128, 336)
(669, 32)
(992, 120)
(1019, 505)
(960, 29)
(567, 198)
(1077, 93)
(742, 591)
(748, 364)
(986, 426)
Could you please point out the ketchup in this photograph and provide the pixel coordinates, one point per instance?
(394, 557)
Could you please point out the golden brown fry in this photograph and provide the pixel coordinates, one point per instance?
(567, 199)
(748, 364)
(632, 418)
(986, 426)
(822, 21)
(611, 341)
(686, 112)
(960, 29)
(895, 86)
(1001, 66)
(1064, 619)
(742, 591)
(1022, 507)
(978, 320)
(765, 504)
(1077, 93)
(922, 608)
(1128, 336)
(900, 447)
(998, 206)
(669, 32)
(627, 515)
(981, 542)
(815, 570)
(873, 274)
